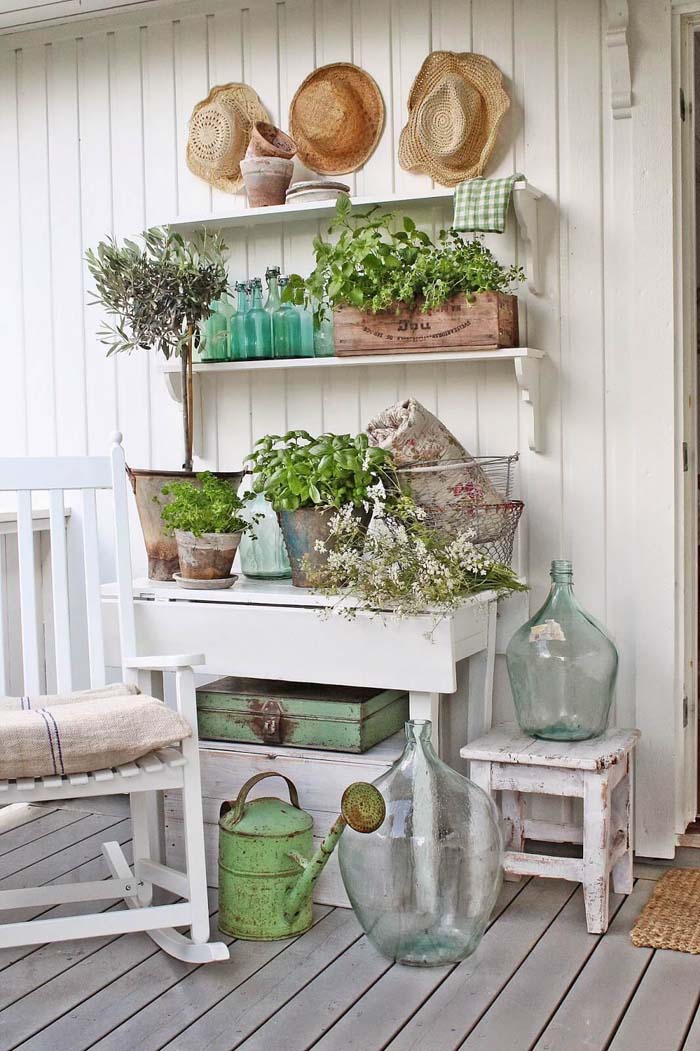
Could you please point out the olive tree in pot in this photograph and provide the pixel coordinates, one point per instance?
(155, 295)
(206, 521)
(308, 480)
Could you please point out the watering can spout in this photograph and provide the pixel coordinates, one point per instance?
(362, 807)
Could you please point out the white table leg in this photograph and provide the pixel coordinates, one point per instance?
(513, 811)
(481, 671)
(622, 876)
(423, 705)
(596, 850)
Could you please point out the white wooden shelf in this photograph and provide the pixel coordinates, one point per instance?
(525, 198)
(526, 362)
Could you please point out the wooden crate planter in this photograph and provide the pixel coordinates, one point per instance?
(489, 322)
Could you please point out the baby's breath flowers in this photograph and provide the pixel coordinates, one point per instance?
(403, 566)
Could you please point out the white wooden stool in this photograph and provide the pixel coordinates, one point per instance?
(599, 771)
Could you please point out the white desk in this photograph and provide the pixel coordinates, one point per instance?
(272, 630)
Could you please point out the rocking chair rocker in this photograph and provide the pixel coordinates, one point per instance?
(171, 768)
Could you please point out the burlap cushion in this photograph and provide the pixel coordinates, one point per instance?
(85, 734)
(23, 704)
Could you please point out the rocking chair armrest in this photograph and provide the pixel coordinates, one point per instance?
(166, 663)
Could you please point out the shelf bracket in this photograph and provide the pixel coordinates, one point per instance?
(525, 203)
(527, 374)
(173, 385)
(619, 58)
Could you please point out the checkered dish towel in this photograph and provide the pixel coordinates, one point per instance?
(481, 205)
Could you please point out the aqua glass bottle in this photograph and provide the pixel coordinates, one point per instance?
(424, 884)
(286, 327)
(237, 338)
(263, 553)
(258, 326)
(227, 310)
(562, 667)
(217, 333)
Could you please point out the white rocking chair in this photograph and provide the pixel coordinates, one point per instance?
(143, 780)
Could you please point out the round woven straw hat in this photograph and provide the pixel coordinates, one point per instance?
(336, 118)
(455, 107)
(220, 130)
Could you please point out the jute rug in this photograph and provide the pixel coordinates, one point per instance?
(671, 917)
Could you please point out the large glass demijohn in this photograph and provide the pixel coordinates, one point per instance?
(562, 667)
(423, 886)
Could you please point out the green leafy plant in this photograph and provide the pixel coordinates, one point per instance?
(374, 264)
(404, 567)
(210, 507)
(296, 470)
(155, 295)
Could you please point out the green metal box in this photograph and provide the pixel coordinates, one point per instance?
(333, 718)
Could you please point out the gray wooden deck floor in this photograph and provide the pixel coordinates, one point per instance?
(537, 980)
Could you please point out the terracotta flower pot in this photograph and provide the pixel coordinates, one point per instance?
(147, 486)
(268, 141)
(266, 180)
(301, 529)
(206, 557)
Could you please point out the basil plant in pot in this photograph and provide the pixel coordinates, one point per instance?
(207, 523)
(155, 295)
(308, 480)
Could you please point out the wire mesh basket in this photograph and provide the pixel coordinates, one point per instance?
(474, 495)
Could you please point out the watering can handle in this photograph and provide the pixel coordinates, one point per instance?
(237, 804)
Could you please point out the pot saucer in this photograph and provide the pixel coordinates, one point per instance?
(218, 584)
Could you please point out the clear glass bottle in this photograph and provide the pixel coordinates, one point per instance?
(306, 321)
(423, 886)
(323, 335)
(286, 327)
(562, 667)
(258, 326)
(263, 555)
(237, 338)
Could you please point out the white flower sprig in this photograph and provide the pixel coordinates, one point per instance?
(401, 565)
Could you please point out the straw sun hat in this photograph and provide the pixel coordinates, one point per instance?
(220, 130)
(454, 110)
(336, 118)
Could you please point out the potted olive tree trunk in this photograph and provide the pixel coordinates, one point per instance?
(155, 295)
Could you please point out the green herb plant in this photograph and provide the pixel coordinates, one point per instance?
(155, 295)
(374, 264)
(210, 507)
(296, 470)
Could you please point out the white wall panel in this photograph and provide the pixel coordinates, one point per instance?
(93, 128)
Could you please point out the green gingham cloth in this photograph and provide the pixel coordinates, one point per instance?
(481, 205)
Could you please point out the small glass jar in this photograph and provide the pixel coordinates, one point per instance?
(263, 554)
(562, 667)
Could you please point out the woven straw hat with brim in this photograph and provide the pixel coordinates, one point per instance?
(455, 107)
(220, 130)
(336, 118)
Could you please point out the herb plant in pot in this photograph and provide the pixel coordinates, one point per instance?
(308, 480)
(392, 288)
(207, 524)
(155, 295)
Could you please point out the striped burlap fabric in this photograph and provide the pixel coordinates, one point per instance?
(85, 731)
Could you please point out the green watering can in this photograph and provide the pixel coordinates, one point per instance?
(267, 868)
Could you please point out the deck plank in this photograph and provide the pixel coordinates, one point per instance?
(391, 1001)
(82, 1004)
(65, 839)
(461, 1000)
(533, 994)
(663, 1006)
(301, 1021)
(30, 831)
(592, 1009)
(216, 1007)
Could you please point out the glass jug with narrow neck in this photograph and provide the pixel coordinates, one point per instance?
(562, 667)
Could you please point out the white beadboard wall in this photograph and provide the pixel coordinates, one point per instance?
(93, 127)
